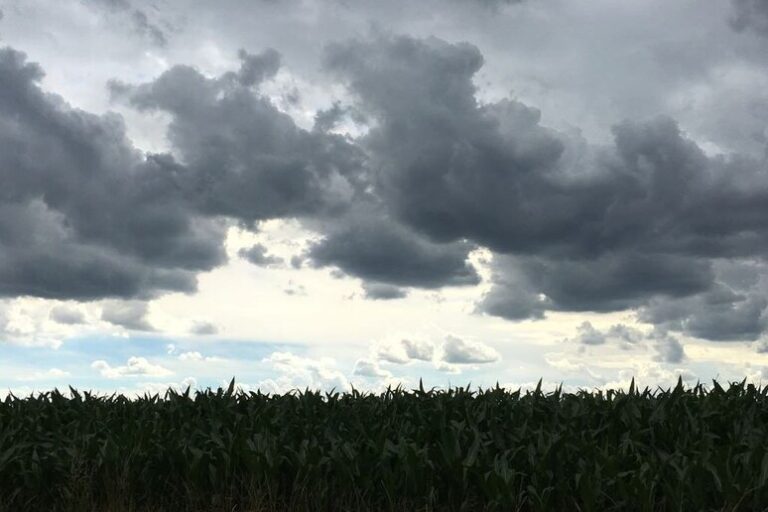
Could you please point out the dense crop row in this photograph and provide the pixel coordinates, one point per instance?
(678, 449)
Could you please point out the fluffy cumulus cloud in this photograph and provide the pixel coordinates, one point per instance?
(458, 351)
(134, 367)
(404, 350)
(195, 356)
(370, 368)
(297, 372)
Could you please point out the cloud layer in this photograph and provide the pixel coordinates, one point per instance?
(649, 221)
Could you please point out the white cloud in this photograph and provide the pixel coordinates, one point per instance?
(135, 366)
(159, 388)
(297, 372)
(402, 350)
(370, 368)
(23, 323)
(458, 351)
(197, 356)
(442, 366)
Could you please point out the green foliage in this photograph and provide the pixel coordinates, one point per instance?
(668, 450)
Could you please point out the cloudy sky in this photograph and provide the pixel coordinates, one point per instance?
(336, 193)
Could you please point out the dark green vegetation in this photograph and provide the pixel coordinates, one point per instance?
(673, 450)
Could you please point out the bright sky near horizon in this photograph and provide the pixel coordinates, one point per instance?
(333, 193)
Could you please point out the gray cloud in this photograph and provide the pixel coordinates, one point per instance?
(733, 309)
(244, 158)
(380, 291)
(643, 222)
(85, 215)
(527, 286)
(131, 315)
(376, 249)
(257, 68)
(257, 254)
(204, 329)
(368, 368)
(751, 15)
(454, 168)
(668, 349)
(140, 21)
(67, 315)
(625, 334)
(588, 335)
(585, 228)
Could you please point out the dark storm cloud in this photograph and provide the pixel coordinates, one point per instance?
(245, 158)
(586, 228)
(377, 249)
(453, 168)
(645, 222)
(527, 286)
(734, 308)
(257, 254)
(83, 214)
(750, 15)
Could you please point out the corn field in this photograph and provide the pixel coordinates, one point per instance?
(679, 449)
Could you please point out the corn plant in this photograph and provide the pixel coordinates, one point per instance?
(678, 449)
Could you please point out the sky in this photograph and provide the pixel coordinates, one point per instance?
(330, 194)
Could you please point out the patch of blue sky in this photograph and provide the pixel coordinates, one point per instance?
(30, 366)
